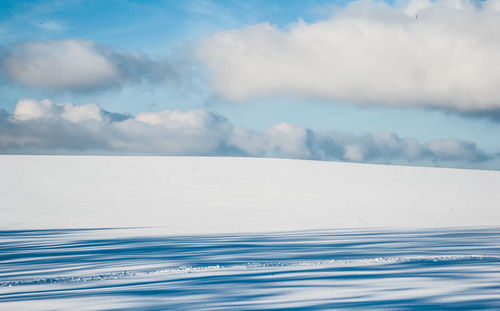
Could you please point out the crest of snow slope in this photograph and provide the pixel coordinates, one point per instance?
(203, 195)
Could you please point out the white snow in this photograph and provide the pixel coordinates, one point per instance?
(439, 269)
(216, 195)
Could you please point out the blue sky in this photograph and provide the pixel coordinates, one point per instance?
(397, 83)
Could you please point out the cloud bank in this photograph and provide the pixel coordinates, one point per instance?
(46, 127)
(442, 54)
(78, 65)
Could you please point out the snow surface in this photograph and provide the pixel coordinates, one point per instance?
(191, 247)
(181, 195)
(441, 269)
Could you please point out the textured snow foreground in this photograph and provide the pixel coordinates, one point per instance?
(236, 233)
(130, 269)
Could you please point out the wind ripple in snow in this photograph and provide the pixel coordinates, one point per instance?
(337, 269)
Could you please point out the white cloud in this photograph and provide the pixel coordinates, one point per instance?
(59, 65)
(28, 109)
(78, 65)
(453, 149)
(354, 153)
(75, 114)
(175, 119)
(287, 139)
(46, 127)
(195, 132)
(443, 54)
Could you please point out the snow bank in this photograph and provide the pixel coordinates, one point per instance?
(217, 195)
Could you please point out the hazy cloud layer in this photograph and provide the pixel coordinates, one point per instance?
(45, 127)
(443, 54)
(78, 65)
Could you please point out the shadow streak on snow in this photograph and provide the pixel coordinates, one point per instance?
(367, 269)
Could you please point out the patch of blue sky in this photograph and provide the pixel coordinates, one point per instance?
(147, 25)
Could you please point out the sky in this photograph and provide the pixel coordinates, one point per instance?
(395, 82)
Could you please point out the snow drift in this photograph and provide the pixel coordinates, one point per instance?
(216, 195)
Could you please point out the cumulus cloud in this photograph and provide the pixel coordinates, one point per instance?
(29, 109)
(388, 146)
(78, 65)
(47, 127)
(439, 54)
